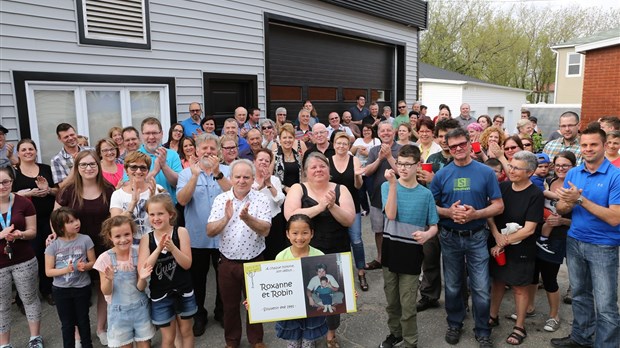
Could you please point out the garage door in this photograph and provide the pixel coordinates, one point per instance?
(329, 69)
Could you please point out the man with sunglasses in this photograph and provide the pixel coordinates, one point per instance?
(403, 114)
(467, 193)
(569, 141)
(192, 124)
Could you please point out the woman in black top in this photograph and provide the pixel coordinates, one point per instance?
(330, 206)
(523, 204)
(346, 169)
(34, 181)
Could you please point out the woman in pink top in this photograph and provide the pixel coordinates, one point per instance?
(108, 152)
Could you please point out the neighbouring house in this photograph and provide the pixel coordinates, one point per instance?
(97, 63)
(601, 80)
(440, 86)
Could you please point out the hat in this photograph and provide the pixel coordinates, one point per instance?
(475, 126)
(3, 130)
(543, 158)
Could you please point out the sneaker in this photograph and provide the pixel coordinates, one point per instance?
(552, 325)
(544, 246)
(426, 303)
(36, 342)
(103, 338)
(78, 343)
(453, 335)
(513, 316)
(484, 341)
(390, 341)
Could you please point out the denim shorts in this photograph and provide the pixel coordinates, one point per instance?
(164, 310)
(129, 323)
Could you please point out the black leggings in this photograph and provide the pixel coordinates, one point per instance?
(549, 272)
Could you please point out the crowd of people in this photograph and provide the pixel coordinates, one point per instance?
(132, 216)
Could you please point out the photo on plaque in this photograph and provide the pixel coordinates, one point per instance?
(324, 280)
(300, 288)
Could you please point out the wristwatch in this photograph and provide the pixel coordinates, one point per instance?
(579, 200)
(219, 176)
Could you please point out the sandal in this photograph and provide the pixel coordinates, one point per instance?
(493, 322)
(518, 334)
(333, 343)
(374, 264)
(363, 282)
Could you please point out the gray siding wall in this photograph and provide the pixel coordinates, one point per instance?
(188, 38)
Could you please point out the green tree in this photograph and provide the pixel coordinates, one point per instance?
(508, 46)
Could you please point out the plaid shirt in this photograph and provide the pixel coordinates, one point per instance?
(62, 164)
(556, 146)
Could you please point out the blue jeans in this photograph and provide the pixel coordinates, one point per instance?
(455, 250)
(593, 274)
(357, 245)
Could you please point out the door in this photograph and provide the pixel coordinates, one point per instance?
(225, 92)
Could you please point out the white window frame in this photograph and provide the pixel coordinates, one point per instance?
(79, 89)
(568, 65)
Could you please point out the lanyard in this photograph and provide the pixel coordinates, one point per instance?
(7, 222)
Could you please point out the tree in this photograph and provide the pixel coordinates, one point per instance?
(506, 46)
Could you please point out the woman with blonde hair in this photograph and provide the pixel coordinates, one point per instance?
(288, 155)
(116, 134)
(346, 169)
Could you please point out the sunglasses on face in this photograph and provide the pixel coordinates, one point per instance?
(267, 127)
(510, 148)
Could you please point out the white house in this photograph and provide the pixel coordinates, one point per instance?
(99, 63)
(440, 86)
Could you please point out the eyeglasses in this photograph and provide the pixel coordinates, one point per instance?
(563, 166)
(527, 144)
(6, 183)
(195, 110)
(402, 106)
(280, 114)
(511, 167)
(405, 165)
(83, 165)
(568, 125)
(151, 134)
(320, 133)
(108, 150)
(267, 127)
(229, 148)
(459, 145)
(136, 168)
(342, 144)
(510, 148)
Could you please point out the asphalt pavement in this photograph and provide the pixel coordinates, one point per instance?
(367, 328)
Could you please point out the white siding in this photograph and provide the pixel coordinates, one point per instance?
(433, 94)
(187, 38)
(481, 98)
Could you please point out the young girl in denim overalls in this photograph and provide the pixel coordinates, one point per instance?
(123, 283)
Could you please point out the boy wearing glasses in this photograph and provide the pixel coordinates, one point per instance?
(411, 220)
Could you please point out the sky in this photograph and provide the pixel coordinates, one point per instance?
(561, 3)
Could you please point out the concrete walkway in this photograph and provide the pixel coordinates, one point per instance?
(367, 328)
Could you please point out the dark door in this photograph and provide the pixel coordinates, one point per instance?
(225, 92)
(329, 69)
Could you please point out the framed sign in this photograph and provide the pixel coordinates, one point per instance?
(300, 288)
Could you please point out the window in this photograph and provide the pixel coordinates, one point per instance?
(91, 108)
(285, 93)
(573, 65)
(114, 23)
(323, 93)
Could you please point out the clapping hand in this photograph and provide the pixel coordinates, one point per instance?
(145, 272)
(244, 214)
(109, 273)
